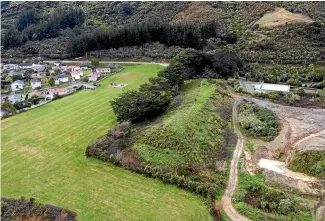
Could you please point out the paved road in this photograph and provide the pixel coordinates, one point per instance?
(110, 62)
(233, 177)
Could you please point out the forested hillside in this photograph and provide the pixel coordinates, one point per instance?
(59, 29)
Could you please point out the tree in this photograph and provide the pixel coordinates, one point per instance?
(28, 74)
(150, 101)
(300, 92)
(7, 107)
(57, 71)
(51, 82)
(16, 77)
(94, 62)
(34, 99)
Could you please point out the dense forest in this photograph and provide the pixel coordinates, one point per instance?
(29, 26)
(184, 35)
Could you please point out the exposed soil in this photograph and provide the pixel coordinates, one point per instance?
(197, 12)
(233, 177)
(280, 16)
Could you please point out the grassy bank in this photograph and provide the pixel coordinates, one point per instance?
(43, 157)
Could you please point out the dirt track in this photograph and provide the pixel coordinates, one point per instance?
(233, 177)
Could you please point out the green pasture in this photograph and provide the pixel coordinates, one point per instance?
(43, 157)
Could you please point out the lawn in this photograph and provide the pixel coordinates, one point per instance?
(43, 157)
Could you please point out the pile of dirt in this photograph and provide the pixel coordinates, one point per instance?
(23, 210)
(280, 16)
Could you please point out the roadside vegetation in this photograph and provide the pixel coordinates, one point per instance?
(257, 121)
(43, 157)
(258, 201)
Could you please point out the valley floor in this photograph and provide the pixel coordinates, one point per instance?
(43, 157)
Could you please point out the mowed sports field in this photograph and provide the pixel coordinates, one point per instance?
(43, 157)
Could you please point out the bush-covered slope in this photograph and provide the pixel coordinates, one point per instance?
(281, 45)
(190, 145)
(311, 162)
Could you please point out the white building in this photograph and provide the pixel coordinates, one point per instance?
(26, 65)
(76, 75)
(93, 76)
(103, 70)
(60, 91)
(61, 78)
(263, 87)
(10, 66)
(35, 83)
(17, 85)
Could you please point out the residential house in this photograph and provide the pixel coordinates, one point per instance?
(103, 70)
(17, 85)
(38, 93)
(263, 88)
(71, 68)
(12, 73)
(14, 98)
(26, 65)
(61, 78)
(38, 67)
(10, 66)
(76, 75)
(57, 64)
(93, 76)
(38, 75)
(35, 83)
(60, 91)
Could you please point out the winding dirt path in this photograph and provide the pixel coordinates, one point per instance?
(233, 177)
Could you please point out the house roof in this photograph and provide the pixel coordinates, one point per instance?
(60, 76)
(35, 80)
(273, 87)
(75, 73)
(36, 92)
(26, 64)
(94, 74)
(14, 97)
(58, 90)
(18, 82)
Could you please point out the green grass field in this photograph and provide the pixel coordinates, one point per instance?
(43, 157)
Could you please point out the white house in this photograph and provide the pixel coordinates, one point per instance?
(35, 83)
(60, 91)
(76, 75)
(38, 67)
(17, 85)
(93, 76)
(70, 68)
(26, 65)
(10, 66)
(262, 88)
(61, 78)
(103, 70)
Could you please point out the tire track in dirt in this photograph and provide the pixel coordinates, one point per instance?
(233, 176)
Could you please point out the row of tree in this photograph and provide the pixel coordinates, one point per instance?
(184, 35)
(153, 98)
(30, 27)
